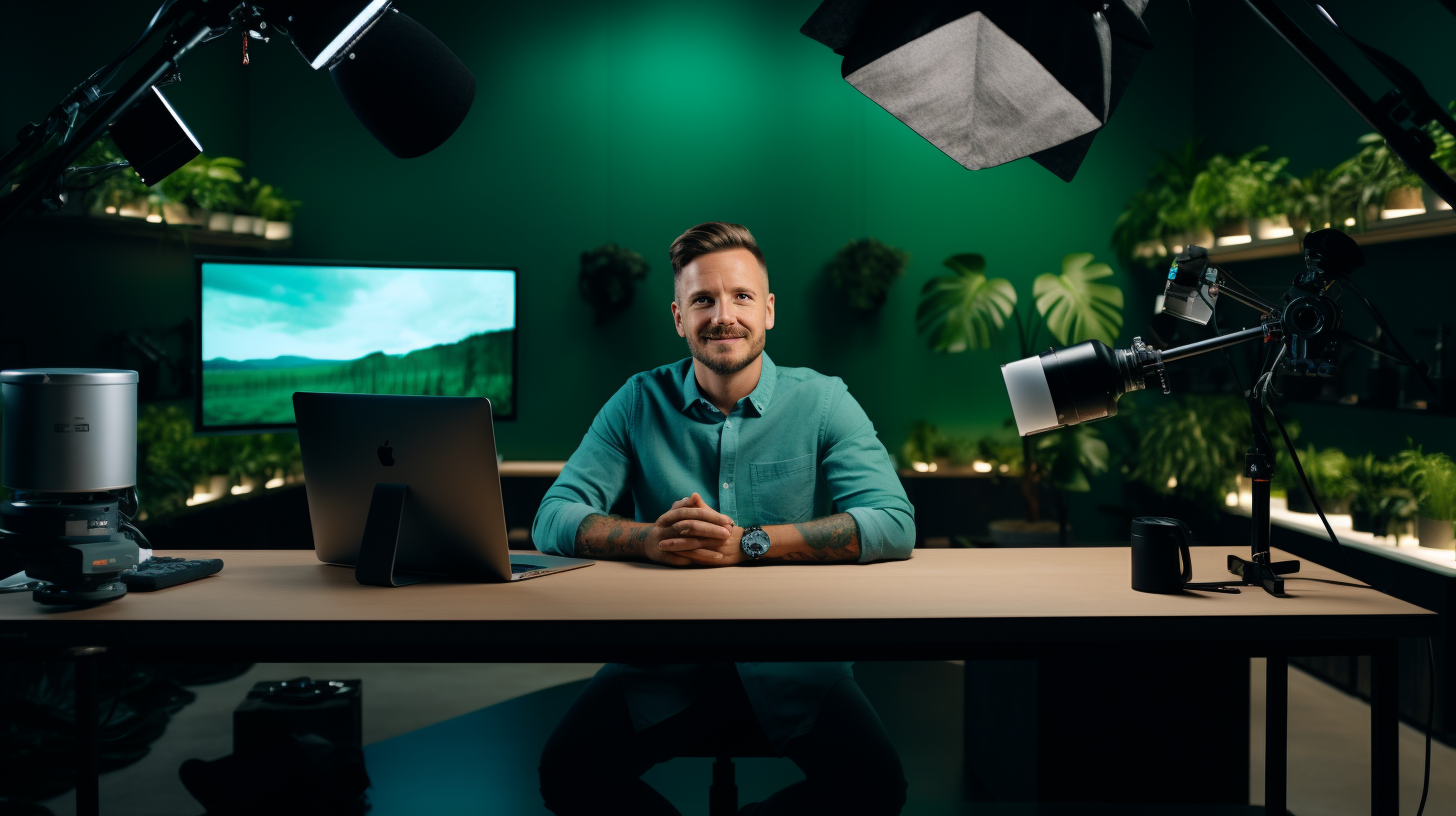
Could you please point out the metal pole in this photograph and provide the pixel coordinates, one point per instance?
(1276, 736)
(1214, 344)
(1385, 730)
(88, 722)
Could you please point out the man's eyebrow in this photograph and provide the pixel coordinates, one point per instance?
(736, 290)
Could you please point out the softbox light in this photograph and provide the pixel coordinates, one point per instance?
(406, 87)
(153, 138)
(992, 81)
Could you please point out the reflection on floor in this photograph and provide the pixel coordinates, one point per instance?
(1328, 763)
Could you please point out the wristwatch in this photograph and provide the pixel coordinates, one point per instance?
(755, 542)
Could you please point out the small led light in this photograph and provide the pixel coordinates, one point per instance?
(1005, 468)
(1386, 215)
(1172, 482)
(1232, 500)
(933, 467)
(920, 467)
(1232, 239)
(272, 483)
(1349, 222)
(154, 219)
(111, 211)
(981, 467)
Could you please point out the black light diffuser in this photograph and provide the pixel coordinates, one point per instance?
(993, 81)
(154, 138)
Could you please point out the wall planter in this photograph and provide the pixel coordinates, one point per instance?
(608, 279)
(243, 224)
(278, 230)
(220, 221)
(863, 271)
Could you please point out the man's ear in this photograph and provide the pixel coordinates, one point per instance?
(769, 318)
(677, 320)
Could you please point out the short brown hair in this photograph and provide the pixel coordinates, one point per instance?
(710, 237)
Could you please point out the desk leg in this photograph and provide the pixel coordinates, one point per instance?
(88, 768)
(1276, 736)
(1385, 731)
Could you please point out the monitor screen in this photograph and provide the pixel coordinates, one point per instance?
(270, 328)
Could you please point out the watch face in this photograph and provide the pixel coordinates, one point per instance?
(755, 542)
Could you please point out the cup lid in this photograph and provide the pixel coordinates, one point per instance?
(67, 376)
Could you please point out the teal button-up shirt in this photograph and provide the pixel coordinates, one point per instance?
(799, 447)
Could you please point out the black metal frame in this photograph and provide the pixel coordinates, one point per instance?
(202, 428)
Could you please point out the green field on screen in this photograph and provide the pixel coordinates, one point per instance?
(260, 392)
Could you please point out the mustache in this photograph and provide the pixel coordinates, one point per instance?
(723, 334)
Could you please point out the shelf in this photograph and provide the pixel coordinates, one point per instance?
(1404, 549)
(1428, 225)
(138, 228)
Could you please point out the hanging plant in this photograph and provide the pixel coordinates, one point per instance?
(608, 279)
(863, 271)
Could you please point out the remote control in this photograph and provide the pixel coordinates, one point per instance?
(160, 572)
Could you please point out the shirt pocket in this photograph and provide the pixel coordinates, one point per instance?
(783, 492)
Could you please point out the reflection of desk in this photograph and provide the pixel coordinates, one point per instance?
(284, 605)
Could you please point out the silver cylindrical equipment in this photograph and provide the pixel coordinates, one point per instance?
(69, 430)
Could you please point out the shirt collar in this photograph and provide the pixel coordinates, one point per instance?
(759, 398)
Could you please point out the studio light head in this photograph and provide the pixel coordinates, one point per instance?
(1077, 384)
(404, 85)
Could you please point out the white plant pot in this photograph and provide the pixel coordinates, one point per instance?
(135, 209)
(278, 230)
(243, 224)
(1265, 229)
(260, 227)
(220, 222)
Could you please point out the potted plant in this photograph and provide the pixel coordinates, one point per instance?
(1382, 498)
(1193, 447)
(1229, 192)
(968, 311)
(608, 279)
(276, 212)
(1432, 478)
(1157, 219)
(245, 219)
(1328, 472)
(197, 188)
(1371, 176)
(863, 271)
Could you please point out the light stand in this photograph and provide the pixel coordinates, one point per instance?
(1082, 383)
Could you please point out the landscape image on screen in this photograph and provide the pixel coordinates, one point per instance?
(269, 330)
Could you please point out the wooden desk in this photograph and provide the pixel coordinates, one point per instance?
(941, 604)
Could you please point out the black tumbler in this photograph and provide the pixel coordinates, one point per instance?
(1158, 544)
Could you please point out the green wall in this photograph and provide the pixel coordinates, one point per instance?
(631, 121)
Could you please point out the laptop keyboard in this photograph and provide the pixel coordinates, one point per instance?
(515, 568)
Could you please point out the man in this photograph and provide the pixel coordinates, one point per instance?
(730, 460)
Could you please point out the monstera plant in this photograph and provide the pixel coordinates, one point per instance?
(967, 311)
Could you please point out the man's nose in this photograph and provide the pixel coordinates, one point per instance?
(722, 315)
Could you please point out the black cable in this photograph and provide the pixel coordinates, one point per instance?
(136, 534)
(1410, 359)
(1213, 318)
(1430, 719)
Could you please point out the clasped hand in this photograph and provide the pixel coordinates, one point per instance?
(693, 534)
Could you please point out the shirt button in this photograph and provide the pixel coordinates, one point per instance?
(725, 485)
(727, 424)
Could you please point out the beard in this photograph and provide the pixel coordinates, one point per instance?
(718, 362)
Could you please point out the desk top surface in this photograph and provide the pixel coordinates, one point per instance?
(291, 585)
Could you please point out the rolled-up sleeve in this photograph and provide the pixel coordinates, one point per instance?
(592, 479)
(863, 483)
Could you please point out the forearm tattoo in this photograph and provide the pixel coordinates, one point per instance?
(832, 538)
(601, 536)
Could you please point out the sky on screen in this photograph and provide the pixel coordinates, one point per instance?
(262, 311)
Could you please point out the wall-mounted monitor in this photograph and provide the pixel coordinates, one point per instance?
(269, 328)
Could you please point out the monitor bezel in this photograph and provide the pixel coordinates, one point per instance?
(201, 428)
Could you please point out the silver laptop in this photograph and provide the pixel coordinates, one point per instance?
(443, 449)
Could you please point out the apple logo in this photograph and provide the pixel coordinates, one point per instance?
(386, 454)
